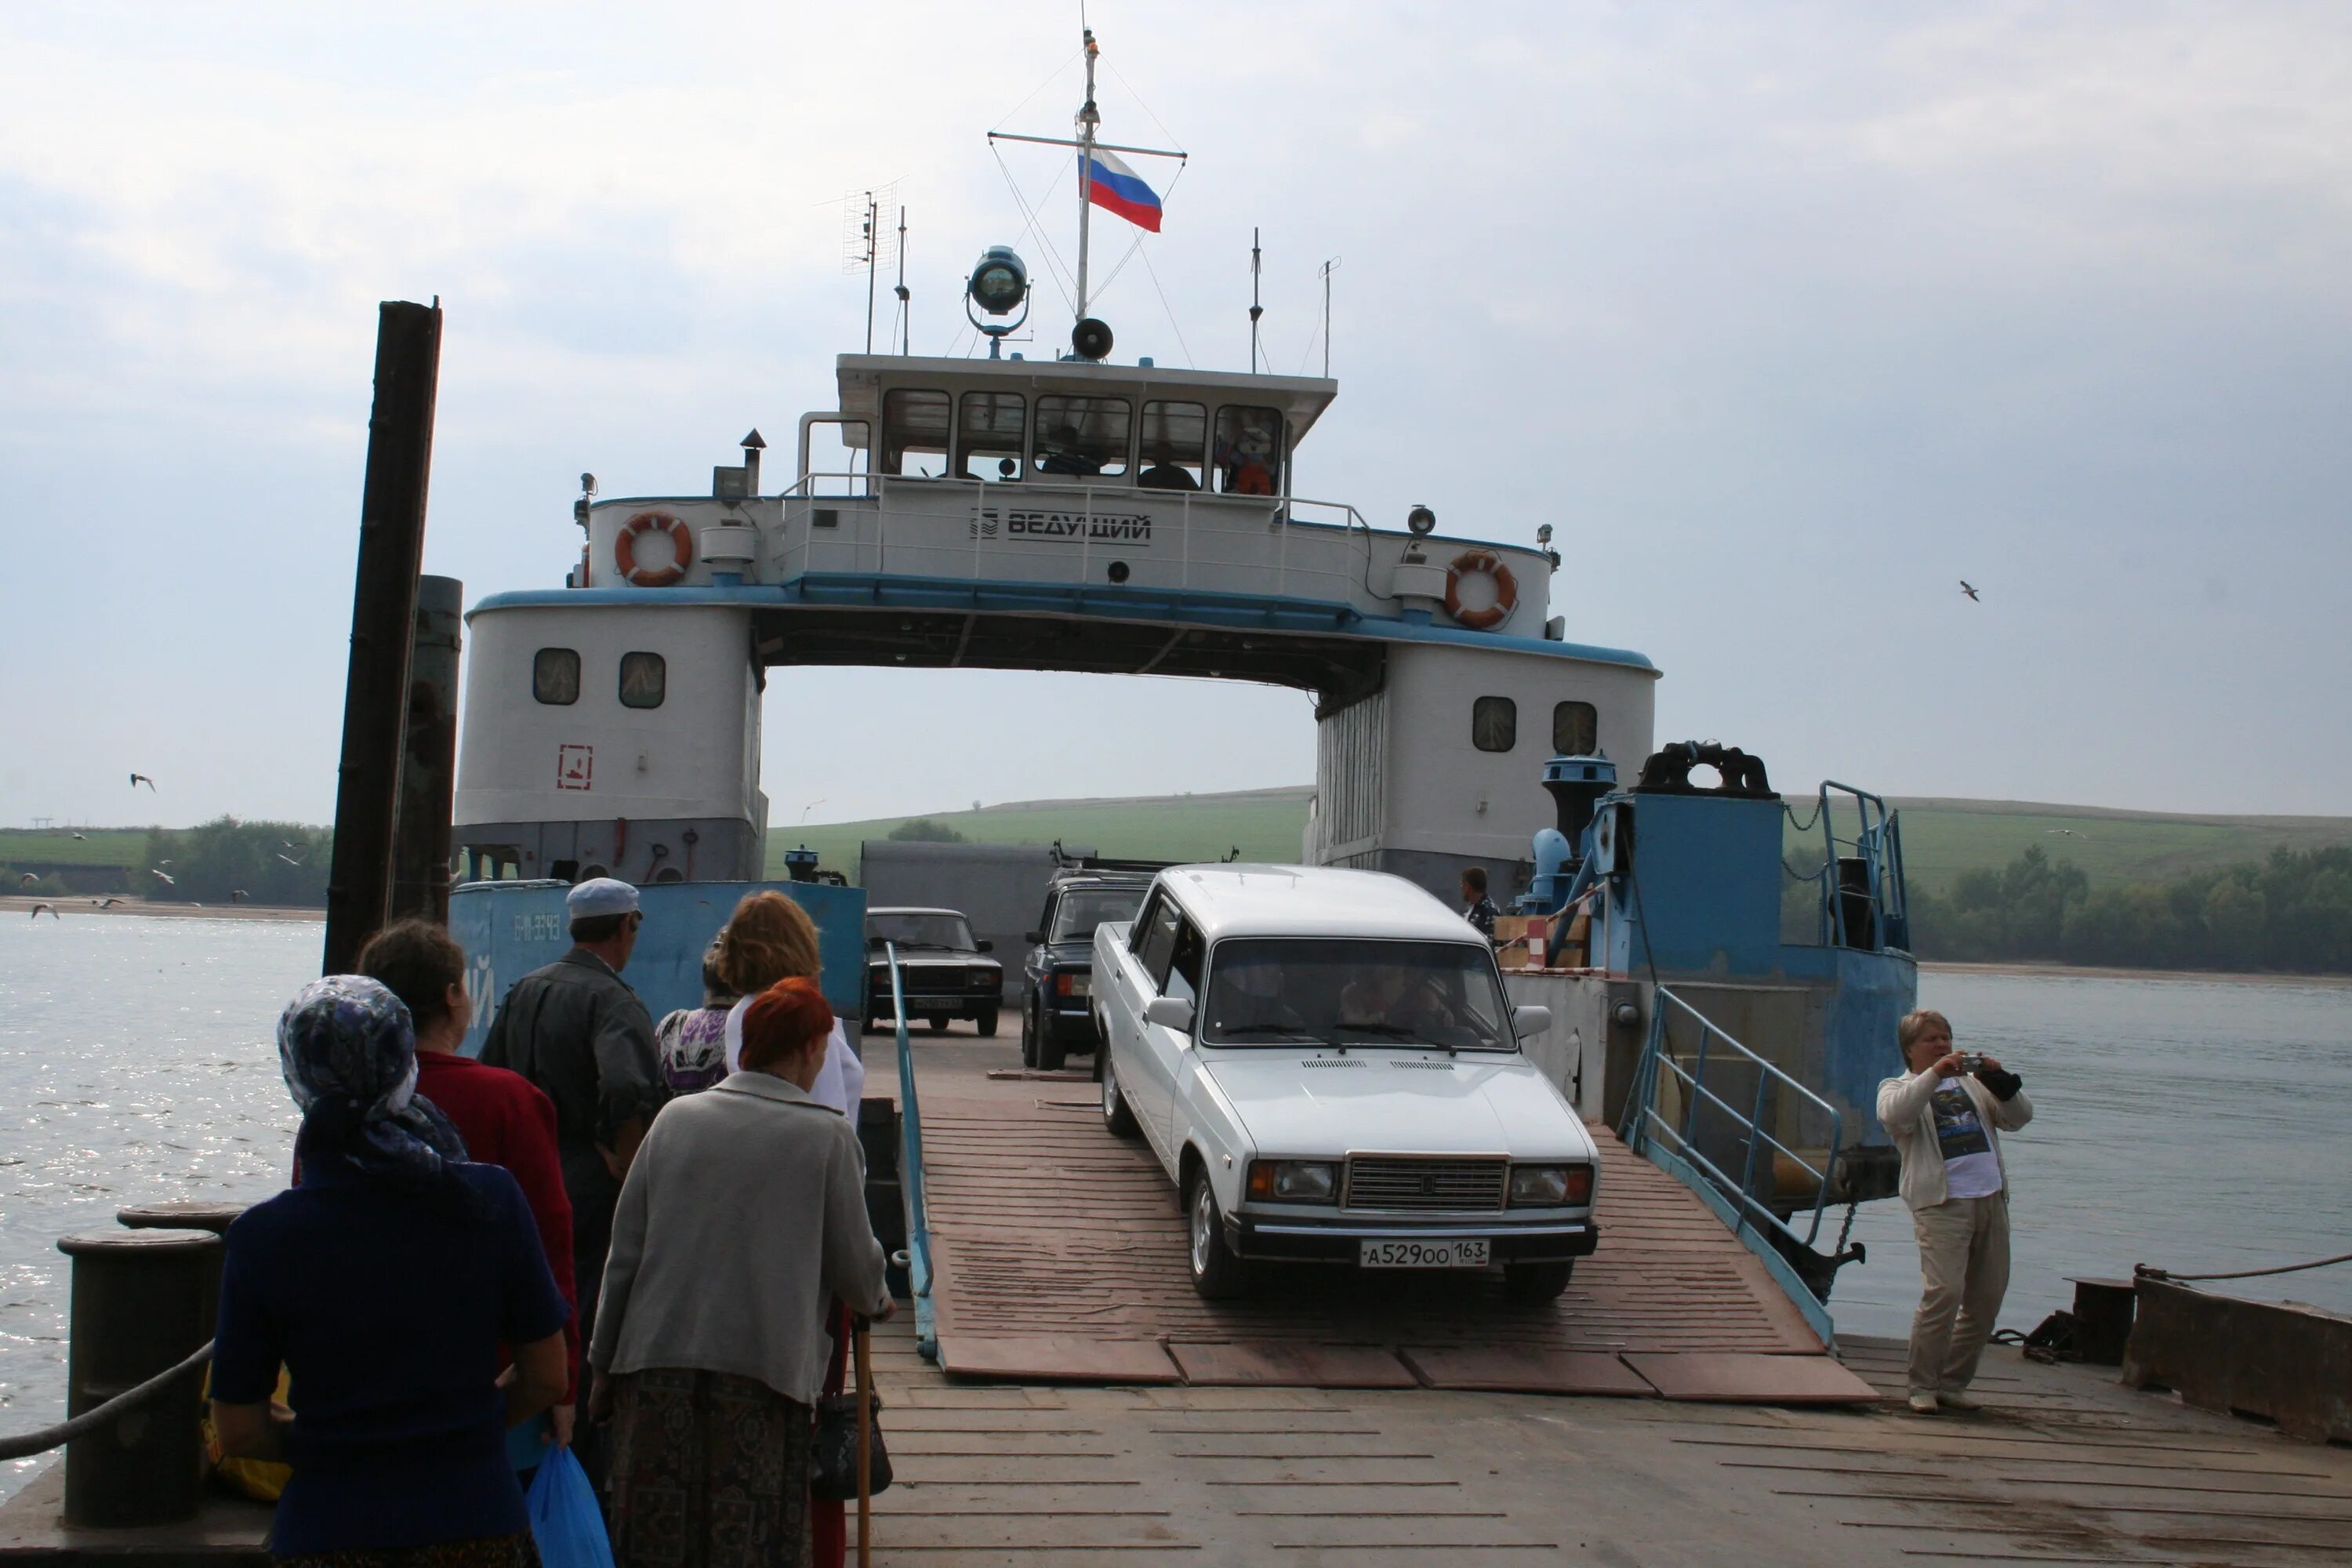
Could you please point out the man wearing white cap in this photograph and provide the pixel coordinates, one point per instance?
(576, 1029)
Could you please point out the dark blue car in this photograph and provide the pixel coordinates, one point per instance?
(1056, 1000)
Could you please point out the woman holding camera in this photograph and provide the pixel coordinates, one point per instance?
(1946, 1116)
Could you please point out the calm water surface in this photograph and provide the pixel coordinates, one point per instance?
(2193, 1124)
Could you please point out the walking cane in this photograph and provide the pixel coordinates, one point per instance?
(864, 1443)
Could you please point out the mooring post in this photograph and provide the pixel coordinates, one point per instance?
(383, 611)
(142, 1302)
(428, 769)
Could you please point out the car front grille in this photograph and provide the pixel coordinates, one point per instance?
(1388, 1182)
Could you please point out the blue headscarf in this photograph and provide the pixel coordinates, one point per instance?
(347, 1049)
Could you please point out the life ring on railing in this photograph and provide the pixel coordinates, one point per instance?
(681, 541)
(1507, 589)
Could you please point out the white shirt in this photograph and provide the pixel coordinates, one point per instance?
(1971, 1170)
(840, 1083)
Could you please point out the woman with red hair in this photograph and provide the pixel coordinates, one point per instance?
(742, 1220)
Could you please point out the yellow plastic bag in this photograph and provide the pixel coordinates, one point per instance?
(261, 1480)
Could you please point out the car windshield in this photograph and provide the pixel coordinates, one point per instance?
(921, 928)
(1083, 908)
(1342, 992)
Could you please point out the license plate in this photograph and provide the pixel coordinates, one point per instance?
(1470, 1253)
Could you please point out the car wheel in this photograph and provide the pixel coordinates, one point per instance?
(1216, 1273)
(939, 1022)
(985, 1022)
(1051, 1053)
(1028, 1039)
(1117, 1120)
(1534, 1283)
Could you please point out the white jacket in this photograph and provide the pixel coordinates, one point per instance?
(1910, 1121)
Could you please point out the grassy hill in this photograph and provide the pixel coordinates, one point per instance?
(97, 846)
(1941, 838)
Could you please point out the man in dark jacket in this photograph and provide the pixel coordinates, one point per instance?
(575, 1029)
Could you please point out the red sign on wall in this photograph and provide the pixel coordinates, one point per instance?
(575, 767)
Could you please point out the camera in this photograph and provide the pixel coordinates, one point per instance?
(1971, 1061)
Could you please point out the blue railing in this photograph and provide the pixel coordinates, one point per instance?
(1876, 844)
(910, 1172)
(1644, 1126)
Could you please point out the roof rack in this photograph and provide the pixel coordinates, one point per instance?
(1065, 861)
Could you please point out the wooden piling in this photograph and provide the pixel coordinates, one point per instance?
(383, 611)
(428, 768)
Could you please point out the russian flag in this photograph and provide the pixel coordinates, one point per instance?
(1115, 188)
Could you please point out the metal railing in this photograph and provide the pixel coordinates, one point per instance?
(1876, 844)
(910, 1171)
(1643, 1122)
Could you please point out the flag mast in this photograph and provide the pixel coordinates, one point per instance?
(1089, 120)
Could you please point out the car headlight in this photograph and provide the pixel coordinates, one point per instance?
(1551, 1186)
(981, 979)
(1073, 982)
(1293, 1181)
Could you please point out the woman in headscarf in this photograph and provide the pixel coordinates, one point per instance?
(692, 1041)
(384, 1282)
(744, 1217)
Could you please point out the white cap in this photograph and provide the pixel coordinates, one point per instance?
(600, 896)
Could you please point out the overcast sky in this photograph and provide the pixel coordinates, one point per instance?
(1786, 317)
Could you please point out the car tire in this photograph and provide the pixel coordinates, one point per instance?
(939, 1022)
(1028, 1039)
(1118, 1120)
(1532, 1284)
(985, 1022)
(1217, 1274)
(1051, 1053)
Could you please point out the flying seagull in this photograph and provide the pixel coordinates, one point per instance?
(28, 878)
(1970, 591)
(81, 835)
(290, 859)
(168, 880)
(105, 903)
(237, 896)
(138, 779)
(51, 907)
(2066, 831)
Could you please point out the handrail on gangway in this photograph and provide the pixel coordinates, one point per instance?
(910, 1171)
(1642, 1124)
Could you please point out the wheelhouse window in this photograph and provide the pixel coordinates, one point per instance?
(1287, 991)
(1175, 447)
(1575, 729)
(644, 679)
(915, 433)
(989, 426)
(1494, 723)
(1082, 437)
(1249, 451)
(555, 676)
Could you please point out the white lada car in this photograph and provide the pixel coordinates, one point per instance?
(1325, 1065)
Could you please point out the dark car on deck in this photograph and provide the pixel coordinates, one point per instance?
(942, 967)
(1056, 993)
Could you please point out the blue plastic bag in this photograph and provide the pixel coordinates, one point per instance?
(565, 1521)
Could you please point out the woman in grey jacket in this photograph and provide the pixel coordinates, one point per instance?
(1946, 1116)
(743, 1217)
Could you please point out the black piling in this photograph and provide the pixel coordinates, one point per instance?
(142, 1299)
(428, 769)
(383, 611)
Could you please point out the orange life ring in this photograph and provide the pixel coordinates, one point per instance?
(625, 549)
(1507, 589)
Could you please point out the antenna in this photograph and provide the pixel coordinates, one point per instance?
(1257, 309)
(870, 270)
(906, 311)
(1328, 268)
(865, 245)
(1088, 120)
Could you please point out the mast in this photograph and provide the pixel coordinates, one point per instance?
(1089, 120)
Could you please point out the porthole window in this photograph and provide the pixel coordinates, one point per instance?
(555, 676)
(644, 679)
(1575, 729)
(1494, 723)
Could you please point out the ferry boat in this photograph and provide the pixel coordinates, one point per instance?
(1085, 512)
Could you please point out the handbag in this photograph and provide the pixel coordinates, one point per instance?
(833, 1454)
(566, 1524)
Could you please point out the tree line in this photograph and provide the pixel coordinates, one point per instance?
(281, 863)
(2291, 913)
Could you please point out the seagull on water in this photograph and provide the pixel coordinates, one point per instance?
(51, 907)
(1971, 592)
(138, 779)
(168, 880)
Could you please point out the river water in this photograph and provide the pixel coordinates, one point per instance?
(2188, 1123)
